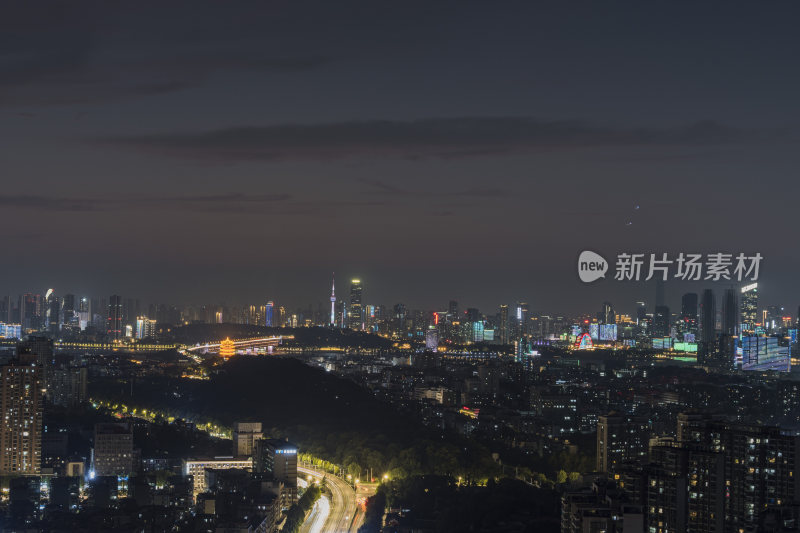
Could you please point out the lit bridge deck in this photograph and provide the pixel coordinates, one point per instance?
(240, 344)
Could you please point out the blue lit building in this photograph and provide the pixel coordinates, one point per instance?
(268, 314)
(763, 353)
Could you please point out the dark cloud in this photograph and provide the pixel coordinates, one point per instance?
(439, 137)
(380, 187)
(218, 203)
(48, 203)
(92, 53)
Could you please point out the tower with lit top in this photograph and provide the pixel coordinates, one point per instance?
(333, 300)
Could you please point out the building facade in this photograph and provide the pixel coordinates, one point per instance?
(21, 403)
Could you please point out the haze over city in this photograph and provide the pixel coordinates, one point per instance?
(439, 150)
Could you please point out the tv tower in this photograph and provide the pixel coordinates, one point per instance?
(333, 300)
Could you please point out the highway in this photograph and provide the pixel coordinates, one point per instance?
(315, 522)
(337, 513)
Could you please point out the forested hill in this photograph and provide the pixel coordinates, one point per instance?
(326, 415)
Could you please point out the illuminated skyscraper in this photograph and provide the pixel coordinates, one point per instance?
(607, 315)
(432, 338)
(145, 327)
(53, 315)
(749, 309)
(333, 301)
(521, 320)
(503, 324)
(268, 313)
(21, 400)
(355, 311)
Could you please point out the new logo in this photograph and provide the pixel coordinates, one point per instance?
(591, 266)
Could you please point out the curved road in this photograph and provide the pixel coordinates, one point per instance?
(339, 512)
(315, 521)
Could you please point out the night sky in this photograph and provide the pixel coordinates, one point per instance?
(234, 152)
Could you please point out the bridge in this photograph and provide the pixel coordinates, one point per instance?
(240, 345)
(105, 347)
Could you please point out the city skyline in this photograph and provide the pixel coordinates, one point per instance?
(381, 267)
(673, 294)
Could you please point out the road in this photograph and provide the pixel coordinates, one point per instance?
(337, 514)
(315, 522)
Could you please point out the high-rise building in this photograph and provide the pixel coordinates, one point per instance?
(776, 319)
(521, 320)
(10, 331)
(332, 322)
(41, 347)
(621, 438)
(730, 312)
(685, 488)
(689, 313)
(268, 313)
(606, 315)
(68, 386)
(764, 353)
(355, 318)
(145, 327)
(114, 318)
(53, 314)
(30, 309)
(600, 508)
(660, 292)
(197, 467)
(112, 454)
(503, 326)
(130, 310)
(245, 434)
(69, 313)
(452, 310)
(279, 458)
(760, 463)
(21, 402)
(641, 312)
(749, 308)
(661, 321)
(432, 338)
(708, 319)
(399, 315)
